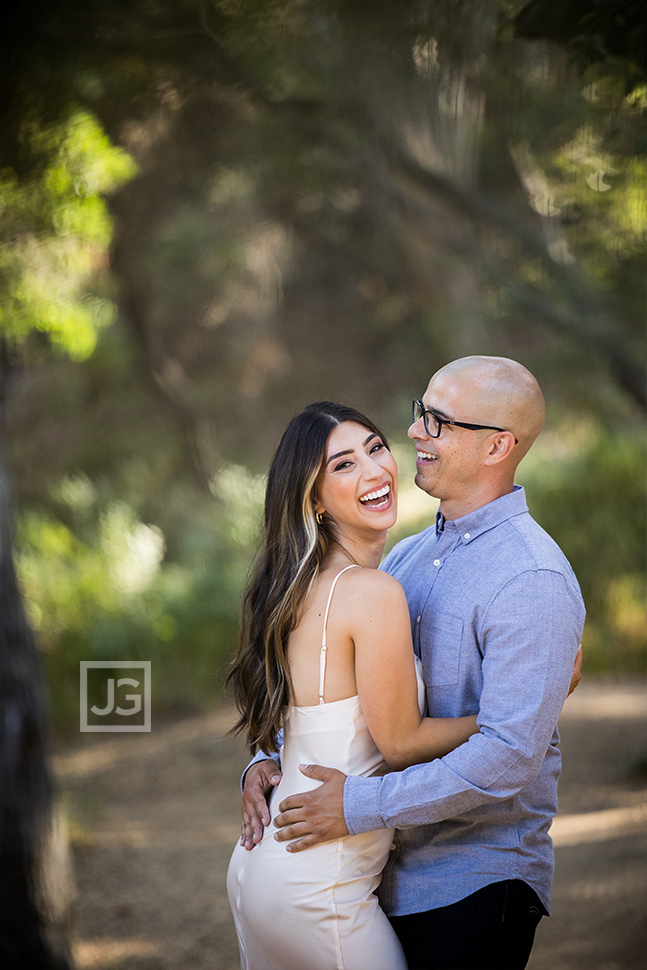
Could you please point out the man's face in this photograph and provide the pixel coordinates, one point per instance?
(449, 467)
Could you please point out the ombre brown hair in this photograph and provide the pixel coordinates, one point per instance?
(294, 546)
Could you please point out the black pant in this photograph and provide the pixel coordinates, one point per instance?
(493, 929)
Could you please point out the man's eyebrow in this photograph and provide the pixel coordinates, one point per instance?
(350, 451)
(441, 414)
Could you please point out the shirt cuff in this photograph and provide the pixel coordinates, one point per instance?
(361, 795)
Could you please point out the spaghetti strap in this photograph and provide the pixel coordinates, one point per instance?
(324, 646)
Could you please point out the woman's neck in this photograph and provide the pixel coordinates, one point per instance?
(348, 549)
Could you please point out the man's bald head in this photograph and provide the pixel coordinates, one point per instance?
(494, 391)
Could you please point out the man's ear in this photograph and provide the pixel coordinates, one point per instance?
(500, 447)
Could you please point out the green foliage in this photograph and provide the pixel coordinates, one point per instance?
(586, 487)
(116, 597)
(56, 231)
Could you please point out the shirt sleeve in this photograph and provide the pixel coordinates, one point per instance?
(529, 637)
(263, 756)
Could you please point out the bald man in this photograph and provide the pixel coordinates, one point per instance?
(496, 616)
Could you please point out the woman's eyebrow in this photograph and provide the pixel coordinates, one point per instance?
(350, 451)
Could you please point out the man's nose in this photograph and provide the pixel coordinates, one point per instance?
(417, 430)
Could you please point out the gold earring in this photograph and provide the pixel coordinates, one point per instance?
(319, 518)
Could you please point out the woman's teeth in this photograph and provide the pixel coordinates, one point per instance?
(380, 493)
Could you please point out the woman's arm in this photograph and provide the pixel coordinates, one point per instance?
(386, 677)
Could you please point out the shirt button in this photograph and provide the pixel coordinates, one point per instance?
(436, 562)
(466, 536)
(393, 847)
(418, 618)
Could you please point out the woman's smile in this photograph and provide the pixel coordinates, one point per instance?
(379, 499)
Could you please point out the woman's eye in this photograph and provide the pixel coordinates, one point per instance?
(377, 446)
(342, 465)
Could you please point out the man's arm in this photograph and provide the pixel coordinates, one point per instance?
(528, 662)
(530, 638)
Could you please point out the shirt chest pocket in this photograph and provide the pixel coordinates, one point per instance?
(440, 640)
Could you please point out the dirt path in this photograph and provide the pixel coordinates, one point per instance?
(154, 817)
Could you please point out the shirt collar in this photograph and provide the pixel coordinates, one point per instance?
(488, 516)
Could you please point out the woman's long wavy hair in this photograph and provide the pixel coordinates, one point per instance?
(294, 546)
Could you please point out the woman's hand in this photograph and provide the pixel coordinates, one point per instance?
(259, 781)
(577, 671)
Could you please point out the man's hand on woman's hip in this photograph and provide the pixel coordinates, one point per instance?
(314, 816)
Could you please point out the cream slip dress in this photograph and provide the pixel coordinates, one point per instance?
(316, 909)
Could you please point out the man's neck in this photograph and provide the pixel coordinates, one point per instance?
(457, 509)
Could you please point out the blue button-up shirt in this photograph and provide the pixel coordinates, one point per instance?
(497, 616)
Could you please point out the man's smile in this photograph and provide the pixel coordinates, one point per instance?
(425, 456)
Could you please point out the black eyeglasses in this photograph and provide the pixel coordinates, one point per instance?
(433, 422)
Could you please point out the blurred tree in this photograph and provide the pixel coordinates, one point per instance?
(594, 32)
(56, 232)
(370, 166)
(330, 199)
(36, 889)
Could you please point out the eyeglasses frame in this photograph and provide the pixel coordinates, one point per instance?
(418, 405)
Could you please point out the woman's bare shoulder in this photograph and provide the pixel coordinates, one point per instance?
(373, 604)
(373, 584)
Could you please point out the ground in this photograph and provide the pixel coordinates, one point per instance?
(153, 818)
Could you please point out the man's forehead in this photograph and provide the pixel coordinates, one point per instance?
(447, 384)
(453, 394)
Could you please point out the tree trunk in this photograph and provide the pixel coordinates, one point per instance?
(36, 886)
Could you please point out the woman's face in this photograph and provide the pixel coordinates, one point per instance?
(358, 483)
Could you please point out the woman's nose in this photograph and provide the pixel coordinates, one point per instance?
(373, 469)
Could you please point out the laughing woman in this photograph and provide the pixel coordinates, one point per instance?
(336, 675)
